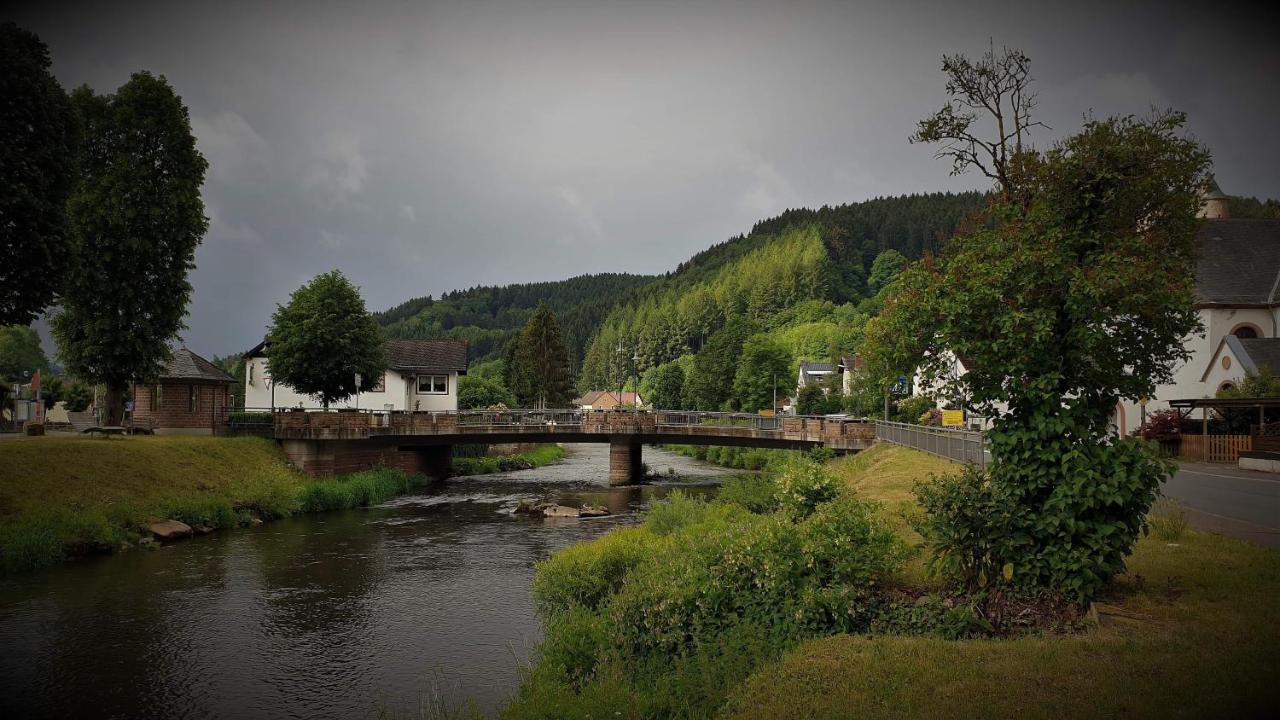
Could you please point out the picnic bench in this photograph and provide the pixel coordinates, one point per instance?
(107, 430)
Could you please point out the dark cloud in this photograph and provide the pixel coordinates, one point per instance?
(426, 147)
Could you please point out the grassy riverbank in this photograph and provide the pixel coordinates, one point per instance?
(703, 612)
(486, 464)
(64, 497)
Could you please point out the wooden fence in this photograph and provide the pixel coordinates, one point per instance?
(1222, 448)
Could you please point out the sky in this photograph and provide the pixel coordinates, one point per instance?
(422, 147)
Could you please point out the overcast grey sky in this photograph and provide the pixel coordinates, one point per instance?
(423, 147)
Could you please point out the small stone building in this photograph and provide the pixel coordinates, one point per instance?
(191, 397)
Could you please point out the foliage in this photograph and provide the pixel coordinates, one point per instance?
(583, 576)
(78, 397)
(1262, 384)
(1168, 520)
(37, 172)
(20, 352)
(709, 384)
(909, 409)
(477, 392)
(1252, 208)
(811, 400)
(803, 485)
(763, 369)
(663, 386)
(1074, 293)
(323, 337)
(975, 528)
(1161, 425)
(537, 366)
(756, 493)
(887, 266)
(487, 464)
(355, 490)
(137, 218)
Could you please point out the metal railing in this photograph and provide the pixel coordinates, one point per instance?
(966, 446)
(517, 418)
(691, 418)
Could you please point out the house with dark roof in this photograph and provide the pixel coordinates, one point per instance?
(191, 397)
(1238, 298)
(608, 400)
(421, 375)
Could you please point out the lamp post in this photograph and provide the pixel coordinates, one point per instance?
(622, 372)
(635, 374)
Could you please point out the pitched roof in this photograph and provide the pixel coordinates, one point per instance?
(408, 354)
(808, 366)
(1239, 263)
(414, 354)
(606, 399)
(186, 365)
(1258, 352)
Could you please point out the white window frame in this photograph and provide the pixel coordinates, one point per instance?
(432, 382)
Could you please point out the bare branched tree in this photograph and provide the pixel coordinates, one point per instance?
(995, 86)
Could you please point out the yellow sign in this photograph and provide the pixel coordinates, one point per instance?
(952, 418)
(766, 413)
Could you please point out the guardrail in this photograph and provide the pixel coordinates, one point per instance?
(966, 446)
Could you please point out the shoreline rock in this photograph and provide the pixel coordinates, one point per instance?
(169, 530)
(549, 509)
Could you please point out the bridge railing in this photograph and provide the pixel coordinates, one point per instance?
(518, 418)
(966, 446)
(691, 418)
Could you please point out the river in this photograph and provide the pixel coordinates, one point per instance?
(334, 615)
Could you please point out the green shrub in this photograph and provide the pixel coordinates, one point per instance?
(757, 493)
(582, 576)
(355, 490)
(974, 528)
(931, 616)
(803, 484)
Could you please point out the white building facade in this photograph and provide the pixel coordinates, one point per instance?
(421, 375)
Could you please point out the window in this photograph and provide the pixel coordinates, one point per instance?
(1245, 332)
(433, 384)
(194, 395)
(252, 366)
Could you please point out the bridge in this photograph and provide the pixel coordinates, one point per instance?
(326, 443)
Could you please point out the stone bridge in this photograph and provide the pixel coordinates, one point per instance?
(326, 443)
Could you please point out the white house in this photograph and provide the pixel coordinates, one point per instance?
(420, 375)
(813, 372)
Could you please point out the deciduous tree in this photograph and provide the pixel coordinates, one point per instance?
(39, 136)
(137, 218)
(322, 338)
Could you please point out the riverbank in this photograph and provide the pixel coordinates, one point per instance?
(489, 464)
(67, 497)
(1191, 629)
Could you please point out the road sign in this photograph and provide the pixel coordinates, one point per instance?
(952, 418)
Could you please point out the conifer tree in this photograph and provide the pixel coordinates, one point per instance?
(537, 369)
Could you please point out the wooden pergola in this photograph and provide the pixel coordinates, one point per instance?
(1225, 406)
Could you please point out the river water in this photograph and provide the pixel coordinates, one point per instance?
(335, 615)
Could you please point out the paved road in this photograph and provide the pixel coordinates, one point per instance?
(1228, 500)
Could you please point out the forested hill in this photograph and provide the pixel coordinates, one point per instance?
(488, 317)
(805, 281)
(803, 275)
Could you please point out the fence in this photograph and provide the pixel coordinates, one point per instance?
(966, 446)
(1221, 448)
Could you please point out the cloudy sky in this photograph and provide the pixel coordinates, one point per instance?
(422, 147)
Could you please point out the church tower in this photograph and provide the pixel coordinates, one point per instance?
(1213, 202)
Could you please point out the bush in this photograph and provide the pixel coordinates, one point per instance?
(355, 490)
(756, 493)
(970, 524)
(582, 576)
(803, 484)
(1161, 425)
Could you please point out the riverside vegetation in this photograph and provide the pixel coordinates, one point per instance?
(63, 497)
(806, 591)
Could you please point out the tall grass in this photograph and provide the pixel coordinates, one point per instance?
(487, 464)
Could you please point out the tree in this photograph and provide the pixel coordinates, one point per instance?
(537, 367)
(1076, 293)
(20, 352)
(665, 385)
(1262, 384)
(765, 364)
(710, 385)
(323, 338)
(886, 267)
(811, 400)
(137, 219)
(37, 172)
(476, 393)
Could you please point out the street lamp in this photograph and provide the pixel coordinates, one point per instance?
(622, 372)
(635, 374)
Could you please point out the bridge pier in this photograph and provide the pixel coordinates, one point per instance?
(625, 466)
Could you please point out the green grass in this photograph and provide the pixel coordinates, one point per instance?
(65, 497)
(1191, 630)
(484, 465)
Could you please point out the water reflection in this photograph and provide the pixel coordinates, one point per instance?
(331, 615)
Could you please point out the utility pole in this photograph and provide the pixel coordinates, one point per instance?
(774, 408)
(622, 372)
(635, 375)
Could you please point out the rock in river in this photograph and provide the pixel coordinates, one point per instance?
(169, 530)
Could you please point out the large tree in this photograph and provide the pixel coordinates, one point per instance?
(322, 338)
(765, 366)
(39, 136)
(20, 352)
(537, 368)
(137, 218)
(1076, 292)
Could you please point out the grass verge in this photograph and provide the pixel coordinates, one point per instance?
(65, 497)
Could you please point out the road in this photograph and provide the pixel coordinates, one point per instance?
(1227, 500)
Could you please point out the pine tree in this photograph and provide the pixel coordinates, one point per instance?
(538, 370)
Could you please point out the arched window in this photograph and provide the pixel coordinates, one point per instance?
(1226, 386)
(1246, 331)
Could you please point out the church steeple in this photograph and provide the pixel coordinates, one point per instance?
(1213, 202)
